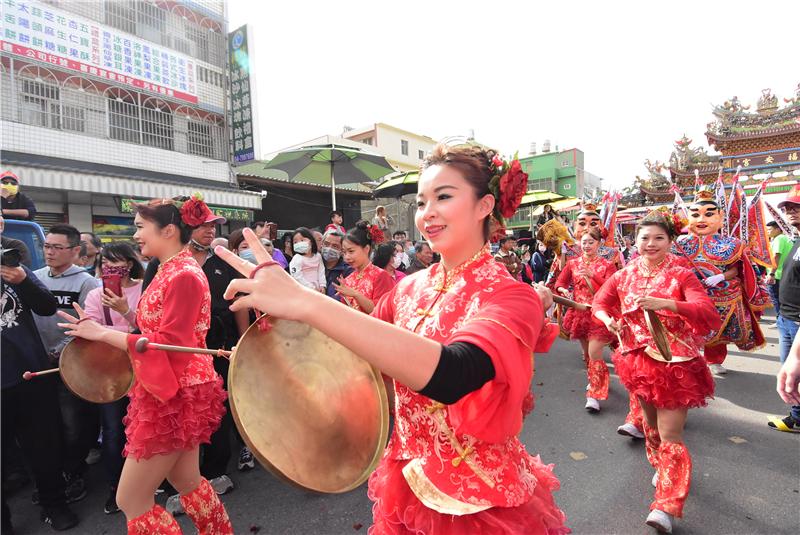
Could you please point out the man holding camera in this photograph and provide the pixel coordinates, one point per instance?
(30, 412)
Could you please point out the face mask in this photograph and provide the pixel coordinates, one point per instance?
(329, 253)
(198, 246)
(122, 271)
(12, 189)
(248, 255)
(396, 261)
(302, 247)
(411, 251)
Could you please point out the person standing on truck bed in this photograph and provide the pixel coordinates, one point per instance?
(15, 204)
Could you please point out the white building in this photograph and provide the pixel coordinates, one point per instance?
(405, 150)
(106, 102)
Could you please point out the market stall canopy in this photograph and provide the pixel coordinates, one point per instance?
(565, 205)
(540, 196)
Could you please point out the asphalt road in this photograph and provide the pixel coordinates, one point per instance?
(746, 477)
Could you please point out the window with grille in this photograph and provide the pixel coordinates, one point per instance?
(404, 147)
(199, 37)
(123, 120)
(201, 141)
(182, 46)
(39, 103)
(158, 128)
(421, 154)
(152, 21)
(73, 118)
(121, 14)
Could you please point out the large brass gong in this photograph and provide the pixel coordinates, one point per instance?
(311, 411)
(95, 371)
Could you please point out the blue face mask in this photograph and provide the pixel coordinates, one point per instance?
(411, 251)
(248, 255)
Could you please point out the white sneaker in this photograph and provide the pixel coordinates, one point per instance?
(655, 480)
(717, 369)
(592, 405)
(630, 430)
(660, 520)
(174, 505)
(221, 484)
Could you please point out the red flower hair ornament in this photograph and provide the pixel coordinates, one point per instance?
(509, 184)
(194, 211)
(376, 234)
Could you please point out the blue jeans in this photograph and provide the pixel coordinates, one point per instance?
(111, 415)
(773, 296)
(787, 330)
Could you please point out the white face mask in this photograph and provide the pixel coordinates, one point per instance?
(302, 247)
(396, 261)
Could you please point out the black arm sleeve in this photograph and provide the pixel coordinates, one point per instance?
(462, 368)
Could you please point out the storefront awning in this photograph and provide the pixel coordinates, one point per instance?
(33, 177)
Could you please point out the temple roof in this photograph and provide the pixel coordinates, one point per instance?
(736, 121)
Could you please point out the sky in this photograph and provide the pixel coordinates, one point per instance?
(619, 80)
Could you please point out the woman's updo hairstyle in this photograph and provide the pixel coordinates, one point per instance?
(594, 233)
(473, 162)
(669, 223)
(361, 235)
(165, 212)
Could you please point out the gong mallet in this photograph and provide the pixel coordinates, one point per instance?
(570, 303)
(143, 344)
(30, 375)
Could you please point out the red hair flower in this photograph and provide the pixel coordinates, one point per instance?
(513, 186)
(195, 212)
(376, 235)
(498, 162)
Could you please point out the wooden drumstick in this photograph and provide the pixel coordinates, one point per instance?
(30, 375)
(569, 302)
(143, 344)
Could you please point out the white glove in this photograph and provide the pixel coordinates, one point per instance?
(714, 280)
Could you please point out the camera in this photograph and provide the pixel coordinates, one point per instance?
(11, 257)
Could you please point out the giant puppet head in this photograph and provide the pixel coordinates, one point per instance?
(587, 219)
(705, 217)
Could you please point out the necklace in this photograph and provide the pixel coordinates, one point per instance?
(168, 260)
(649, 272)
(588, 261)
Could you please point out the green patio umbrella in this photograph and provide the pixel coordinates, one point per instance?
(398, 186)
(326, 164)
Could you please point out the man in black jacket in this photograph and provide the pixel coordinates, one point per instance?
(30, 413)
(15, 204)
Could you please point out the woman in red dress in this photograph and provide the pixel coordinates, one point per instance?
(458, 340)
(367, 283)
(586, 274)
(655, 281)
(177, 399)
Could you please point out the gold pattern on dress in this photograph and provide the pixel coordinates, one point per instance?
(423, 312)
(463, 453)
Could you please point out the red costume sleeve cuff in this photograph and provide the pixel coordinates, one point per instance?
(547, 336)
(153, 370)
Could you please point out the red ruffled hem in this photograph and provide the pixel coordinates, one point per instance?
(581, 324)
(667, 386)
(184, 422)
(397, 511)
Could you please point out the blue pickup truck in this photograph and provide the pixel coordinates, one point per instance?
(29, 233)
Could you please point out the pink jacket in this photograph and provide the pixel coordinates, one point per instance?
(94, 307)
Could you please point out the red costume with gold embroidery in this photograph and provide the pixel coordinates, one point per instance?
(177, 399)
(685, 382)
(460, 468)
(372, 282)
(580, 323)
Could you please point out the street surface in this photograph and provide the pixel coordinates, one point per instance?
(746, 477)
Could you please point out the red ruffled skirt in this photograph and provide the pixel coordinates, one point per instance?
(397, 511)
(581, 324)
(184, 422)
(666, 386)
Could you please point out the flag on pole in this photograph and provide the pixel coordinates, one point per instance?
(759, 243)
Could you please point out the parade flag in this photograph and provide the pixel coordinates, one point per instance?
(778, 217)
(720, 199)
(758, 244)
(738, 213)
(733, 218)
